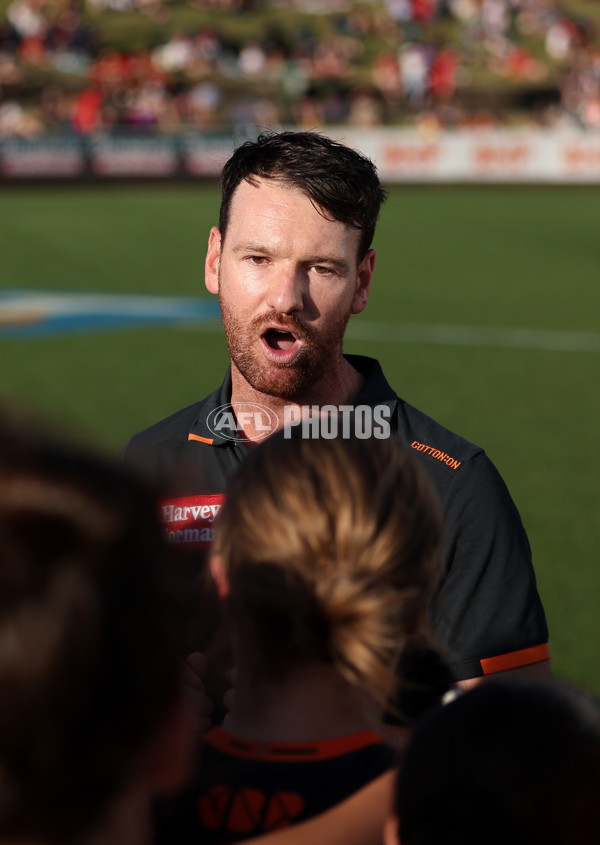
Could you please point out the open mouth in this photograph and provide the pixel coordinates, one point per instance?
(280, 345)
(279, 340)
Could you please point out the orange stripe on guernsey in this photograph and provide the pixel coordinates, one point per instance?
(514, 659)
(197, 437)
(290, 752)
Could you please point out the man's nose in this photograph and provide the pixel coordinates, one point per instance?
(286, 292)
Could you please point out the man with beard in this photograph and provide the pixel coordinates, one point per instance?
(291, 261)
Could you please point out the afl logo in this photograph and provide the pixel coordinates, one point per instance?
(229, 422)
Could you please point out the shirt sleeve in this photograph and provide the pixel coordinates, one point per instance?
(487, 611)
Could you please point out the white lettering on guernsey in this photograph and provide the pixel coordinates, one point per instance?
(188, 521)
(436, 453)
(191, 536)
(207, 513)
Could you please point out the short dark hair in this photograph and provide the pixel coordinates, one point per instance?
(515, 760)
(337, 179)
(89, 633)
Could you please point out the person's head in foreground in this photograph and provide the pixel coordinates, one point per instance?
(291, 261)
(90, 716)
(512, 761)
(327, 552)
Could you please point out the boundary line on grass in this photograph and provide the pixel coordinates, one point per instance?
(503, 338)
(30, 314)
(27, 313)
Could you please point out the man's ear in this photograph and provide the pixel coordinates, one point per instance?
(217, 570)
(363, 284)
(213, 259)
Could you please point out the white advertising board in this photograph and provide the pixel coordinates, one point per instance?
(401, 155)
(480, 156)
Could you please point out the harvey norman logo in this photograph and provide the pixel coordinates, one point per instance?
(189, 521)
(316, 421)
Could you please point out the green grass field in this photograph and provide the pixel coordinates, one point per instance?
(488, 258)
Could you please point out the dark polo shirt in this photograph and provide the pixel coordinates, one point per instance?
(487, 611)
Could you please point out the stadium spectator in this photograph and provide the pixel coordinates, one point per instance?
(365, 109)
(87, 112)
(92, 718)
(27, 18)
(18, 122)
(199, 105)
(326, 554)
(443, 75)
(513, 761)
(386, 76)
(414, 69)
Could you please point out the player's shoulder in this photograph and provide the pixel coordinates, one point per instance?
(440, 448)
(434, 441)
(173, 431)
(174, 428)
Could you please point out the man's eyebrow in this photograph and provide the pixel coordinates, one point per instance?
(250, 246)
(328, 261)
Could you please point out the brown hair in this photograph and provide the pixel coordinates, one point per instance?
(339, 180)
(331, 550)
(89, 633)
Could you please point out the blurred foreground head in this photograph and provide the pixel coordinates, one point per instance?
(330, 549)
(513, 761)
(88, 637)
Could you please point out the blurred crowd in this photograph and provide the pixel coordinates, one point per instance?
(443, 63)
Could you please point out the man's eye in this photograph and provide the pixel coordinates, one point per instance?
(258, 259)
(320, 270)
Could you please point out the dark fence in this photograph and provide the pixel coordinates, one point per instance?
(105, 158)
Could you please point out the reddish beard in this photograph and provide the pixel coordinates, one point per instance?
(321, 350)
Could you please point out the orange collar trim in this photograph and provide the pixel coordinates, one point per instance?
(293, 752)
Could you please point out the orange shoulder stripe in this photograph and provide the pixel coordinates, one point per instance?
(208, 440)
(514, 659)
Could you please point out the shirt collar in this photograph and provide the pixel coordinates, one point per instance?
(375, 390)
(217, 399)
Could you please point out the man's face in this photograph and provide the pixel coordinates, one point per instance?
(288, 280)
